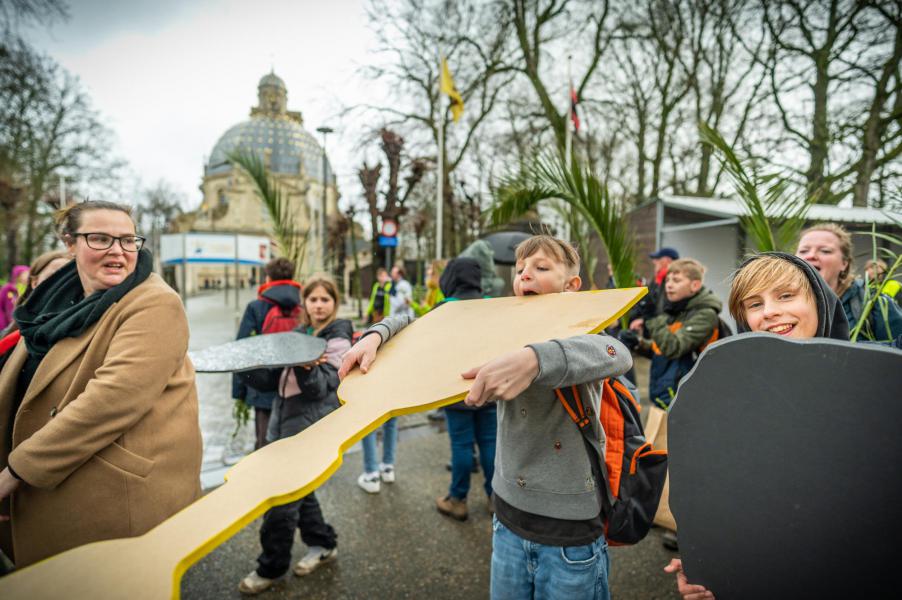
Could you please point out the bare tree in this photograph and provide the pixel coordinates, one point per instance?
(832, 54)
(48, 130)
(473, 36)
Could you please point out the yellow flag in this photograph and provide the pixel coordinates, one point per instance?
(447, 87)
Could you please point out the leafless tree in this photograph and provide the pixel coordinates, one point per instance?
(473, 36)
(834, 74)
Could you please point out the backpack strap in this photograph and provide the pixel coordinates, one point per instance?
(572, 403)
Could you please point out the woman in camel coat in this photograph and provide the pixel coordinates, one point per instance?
(98, 407)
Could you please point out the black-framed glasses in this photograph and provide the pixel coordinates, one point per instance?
(104, 241)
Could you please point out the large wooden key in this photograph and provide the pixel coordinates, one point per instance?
(417, 370)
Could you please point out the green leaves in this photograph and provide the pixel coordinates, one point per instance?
(291, 241)
(873, 298)
(548, 177)
(774, 213)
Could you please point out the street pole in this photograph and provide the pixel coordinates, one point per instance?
(351, 212)
(322, 218)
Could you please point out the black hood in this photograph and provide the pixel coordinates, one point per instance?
(462, 279)
(831, 319)
(338, 328)
(285, 295)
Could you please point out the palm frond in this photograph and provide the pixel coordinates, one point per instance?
(548, 177)
(774, 213)
(291, 241)
(873, 290)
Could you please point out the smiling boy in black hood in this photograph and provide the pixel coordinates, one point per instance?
(765, 285)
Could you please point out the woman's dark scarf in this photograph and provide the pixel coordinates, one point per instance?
(58, 307)
(831, 319)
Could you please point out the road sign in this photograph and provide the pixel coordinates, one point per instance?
(389, 228)
(388, 242)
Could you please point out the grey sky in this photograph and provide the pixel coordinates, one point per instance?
(170, 77)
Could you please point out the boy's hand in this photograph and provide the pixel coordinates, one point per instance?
(504, 378)
(363, 353)
(687, 590)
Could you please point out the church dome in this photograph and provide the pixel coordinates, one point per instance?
(273, 80)
(290, 146)
(272, 131)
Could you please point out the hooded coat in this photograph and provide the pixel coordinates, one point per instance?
(285, 294)
(106, 438)
(307, 395)
(831, 318)
(462, 280)
(9, 293)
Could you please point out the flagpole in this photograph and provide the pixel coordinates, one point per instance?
(439, 186)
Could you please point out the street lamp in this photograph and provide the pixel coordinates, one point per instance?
(322, 222)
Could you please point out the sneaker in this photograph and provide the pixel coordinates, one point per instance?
(315, 557)
(452, 507)
(387, 472)
(369, 482)
(254, 584)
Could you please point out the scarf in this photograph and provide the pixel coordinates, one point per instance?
(58, 308)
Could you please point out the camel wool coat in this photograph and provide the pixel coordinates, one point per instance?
(106, 439)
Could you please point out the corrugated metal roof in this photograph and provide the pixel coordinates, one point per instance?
(726, 207)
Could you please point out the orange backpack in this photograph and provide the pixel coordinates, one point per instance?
(633, 472)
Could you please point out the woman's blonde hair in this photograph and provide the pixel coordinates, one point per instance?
(846, 276)
(764, 273)
(325, 282)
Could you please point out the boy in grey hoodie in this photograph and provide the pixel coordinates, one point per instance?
(548, 527)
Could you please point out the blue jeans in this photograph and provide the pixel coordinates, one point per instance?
(389, 441)
(524, 569)
(466, 427)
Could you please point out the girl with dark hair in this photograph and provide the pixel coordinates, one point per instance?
(306, 395)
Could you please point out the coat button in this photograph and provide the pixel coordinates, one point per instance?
(523, 411)
(521, 482)
(53, 412)
(557, 445)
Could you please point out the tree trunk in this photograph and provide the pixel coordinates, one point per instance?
(820, 132)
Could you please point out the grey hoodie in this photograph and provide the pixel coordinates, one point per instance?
(541, 463)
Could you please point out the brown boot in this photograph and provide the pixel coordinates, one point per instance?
(452, 507)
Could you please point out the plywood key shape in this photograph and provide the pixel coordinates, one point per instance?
(417, 370)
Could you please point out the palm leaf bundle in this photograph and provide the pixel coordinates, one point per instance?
(874, 299)
(291, 241)
(548, 177)
(774, 214)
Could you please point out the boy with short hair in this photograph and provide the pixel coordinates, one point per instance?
(676, 337)
(548, 527)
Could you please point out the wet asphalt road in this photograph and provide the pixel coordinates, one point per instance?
(396, 545)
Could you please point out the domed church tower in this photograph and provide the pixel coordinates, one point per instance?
(293, 157)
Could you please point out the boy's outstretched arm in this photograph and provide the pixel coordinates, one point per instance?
(364, 351)
(552, 364)
(503, 378)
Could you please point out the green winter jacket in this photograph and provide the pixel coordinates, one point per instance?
(690, 329)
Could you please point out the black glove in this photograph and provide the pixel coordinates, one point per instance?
(628, 338)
